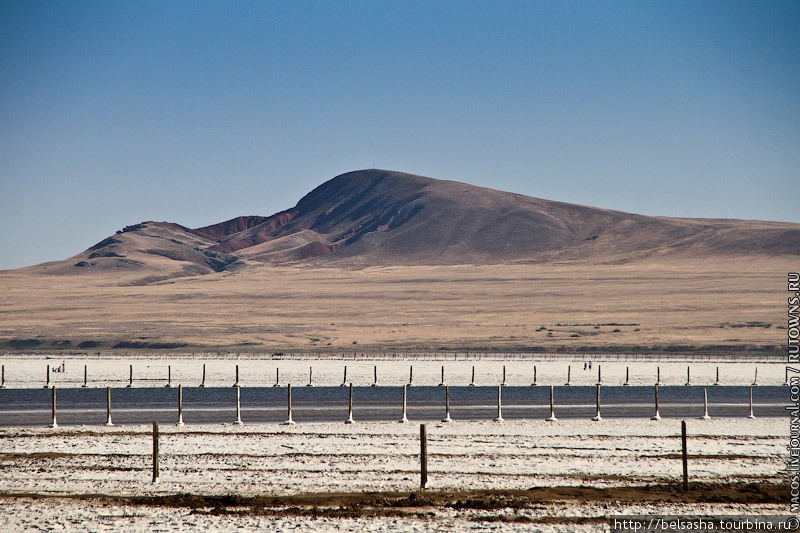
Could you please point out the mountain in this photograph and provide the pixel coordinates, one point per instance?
(379, 217)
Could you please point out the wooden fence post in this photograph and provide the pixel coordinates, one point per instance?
(155, 452)
(684, 457)
(423, 456)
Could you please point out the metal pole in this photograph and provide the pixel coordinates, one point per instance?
(552, 417)
(47, 383)
(203, 381)
(627, 376)
(472, 383)
(108, 407)
(599, 376)
(411, 376)
(310, 375)
(499, 417)
(504, 375)
(238, 421)
(569, 372)
(289, 420)
(688, 376)
(597, 417)
(751, 415)
(277, 377)
(344, 379)
(236, 383)
(658, 375)
(130, 380)
(350, 407)
(375, 375)
(404, 420)
(180, 405)
(54, 423)
(717, 381)
(3, 377)
(442, 382)
(656, 416)
(705, 405)
(447, 404)
(85, 376)
(534, 376)
(169, 376)
(755, 378)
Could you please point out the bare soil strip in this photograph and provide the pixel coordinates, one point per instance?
(421, 503)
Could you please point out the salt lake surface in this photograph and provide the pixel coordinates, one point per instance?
(77, 405)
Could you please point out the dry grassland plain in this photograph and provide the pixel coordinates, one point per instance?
(740, 301)
(571, 475)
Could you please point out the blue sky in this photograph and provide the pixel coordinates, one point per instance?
(197, 112)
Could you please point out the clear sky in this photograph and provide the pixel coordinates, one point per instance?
(195, 112)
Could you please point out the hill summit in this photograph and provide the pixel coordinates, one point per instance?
(381, 217)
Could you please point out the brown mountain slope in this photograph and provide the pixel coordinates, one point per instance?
(378, 217)
(382, 217)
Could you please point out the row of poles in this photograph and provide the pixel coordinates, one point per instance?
(410, 383)
(404, 419)
(423, 455)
